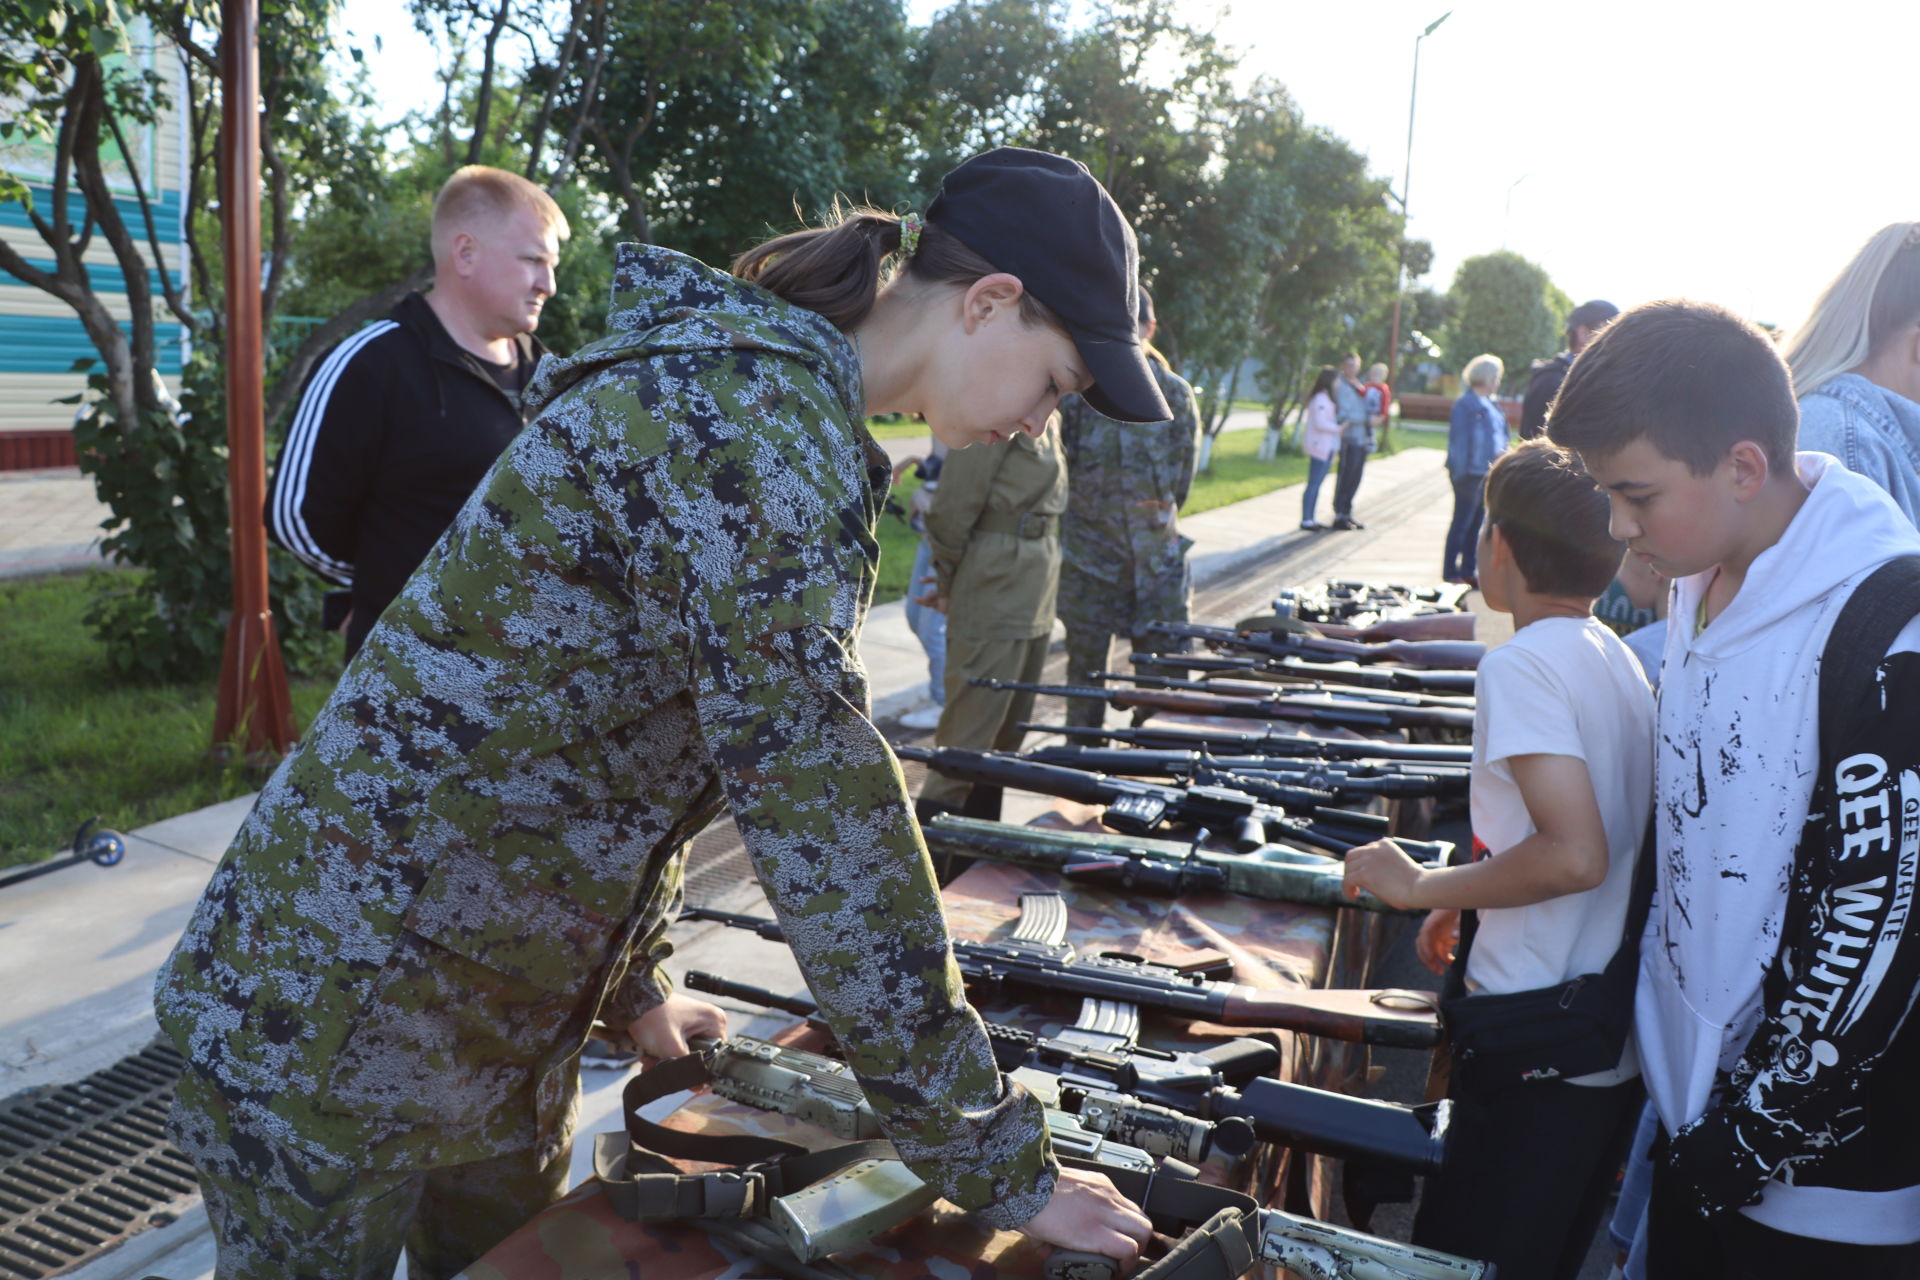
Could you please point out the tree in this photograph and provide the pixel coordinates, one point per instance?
(1506, 306)
(1322, 236)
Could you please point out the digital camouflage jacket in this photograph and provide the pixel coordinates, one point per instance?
(645, 613)
(1124, 561)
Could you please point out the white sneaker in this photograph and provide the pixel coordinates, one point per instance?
(927, 717)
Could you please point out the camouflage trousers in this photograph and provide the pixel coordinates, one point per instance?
(278, 1214)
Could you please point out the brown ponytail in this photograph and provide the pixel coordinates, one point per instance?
(837, 270)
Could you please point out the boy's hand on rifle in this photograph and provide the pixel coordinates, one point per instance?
(1087, 1213)
(1439, 935)
(664, 1030)
(1383, 870)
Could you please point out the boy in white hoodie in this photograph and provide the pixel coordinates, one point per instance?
(1780, 964)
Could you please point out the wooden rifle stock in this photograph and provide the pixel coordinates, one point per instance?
(1386, 1016)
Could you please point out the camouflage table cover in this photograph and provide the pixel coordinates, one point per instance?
(1270, 945)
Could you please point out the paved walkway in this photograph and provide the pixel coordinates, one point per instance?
(49, 522)
(83, 945)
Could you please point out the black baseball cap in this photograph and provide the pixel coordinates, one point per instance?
(1591, 315)
(1047, 220)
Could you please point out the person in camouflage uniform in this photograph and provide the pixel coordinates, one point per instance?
(1124, 560)
(646, 613)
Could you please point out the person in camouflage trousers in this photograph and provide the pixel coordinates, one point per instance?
(646, 613)
(1124, 560)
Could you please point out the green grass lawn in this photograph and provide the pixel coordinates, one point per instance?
(77, 740)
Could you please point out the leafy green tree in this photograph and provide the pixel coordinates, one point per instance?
(1505, 305)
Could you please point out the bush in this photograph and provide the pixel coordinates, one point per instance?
(165, 480)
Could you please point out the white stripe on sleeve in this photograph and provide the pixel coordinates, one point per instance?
(296, 458)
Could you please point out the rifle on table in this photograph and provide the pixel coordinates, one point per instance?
(1450, 655)
(1364, 778)
(1233, 742)
(1450, 624)
(1166, 1104)
(1405, 710)
(1268, 706)
(1140, 807)
(1037, 958)
(1163, 868)
(1282, 670)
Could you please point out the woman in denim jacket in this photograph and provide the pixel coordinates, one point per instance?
(1856, 366)
(1476, 435)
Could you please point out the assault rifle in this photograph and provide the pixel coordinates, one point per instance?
(1231, 742)
(1264, 705)
(1450, 655)
(1137, 808)
(1176, 1107)
(1313, 675)
(1032, 959)
(1164, 868)
(1361, 778)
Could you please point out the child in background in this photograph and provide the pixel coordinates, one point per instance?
(1379, 396)
(1779, 971)
(1562, 782)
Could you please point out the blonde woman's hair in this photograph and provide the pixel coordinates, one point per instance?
(1487, 369)
(1876, 297)
(480, 193)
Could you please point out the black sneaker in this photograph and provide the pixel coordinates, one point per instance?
(1347, 522)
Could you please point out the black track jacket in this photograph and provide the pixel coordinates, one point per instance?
(396, 426)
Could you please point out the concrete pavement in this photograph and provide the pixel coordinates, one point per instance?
(83, 944)
(49, 522)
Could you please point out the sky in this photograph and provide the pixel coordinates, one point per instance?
(1638, 149)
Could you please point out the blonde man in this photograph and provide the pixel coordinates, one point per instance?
(399, 422)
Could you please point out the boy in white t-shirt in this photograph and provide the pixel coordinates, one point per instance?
(1562, 784)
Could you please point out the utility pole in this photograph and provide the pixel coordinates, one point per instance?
(1406, 210)
(254, 715)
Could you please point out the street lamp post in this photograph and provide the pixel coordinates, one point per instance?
(1406, 212)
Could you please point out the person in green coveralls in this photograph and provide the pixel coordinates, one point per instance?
(645, 614)
(995, 531)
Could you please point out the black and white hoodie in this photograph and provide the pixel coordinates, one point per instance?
(1780, 963)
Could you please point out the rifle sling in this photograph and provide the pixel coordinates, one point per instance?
(644, 1187)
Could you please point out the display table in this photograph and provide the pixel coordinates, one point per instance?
(1271, 945)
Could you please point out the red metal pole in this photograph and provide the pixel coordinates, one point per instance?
(255, 715)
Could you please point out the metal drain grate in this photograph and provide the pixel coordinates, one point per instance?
(86, 1165)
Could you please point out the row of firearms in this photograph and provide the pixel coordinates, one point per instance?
(1286, 805)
